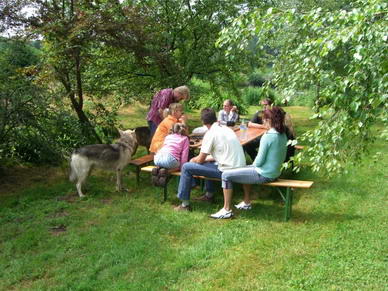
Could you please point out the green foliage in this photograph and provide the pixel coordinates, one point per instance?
(252, 95)
(207, 95)
(258, 77)
(341, 55)
(32, 128)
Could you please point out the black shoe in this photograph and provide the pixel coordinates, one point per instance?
(163, 177)
(155, 176)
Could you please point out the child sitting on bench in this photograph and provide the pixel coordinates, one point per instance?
(173, 154)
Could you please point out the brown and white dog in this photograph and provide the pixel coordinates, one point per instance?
(104, 156)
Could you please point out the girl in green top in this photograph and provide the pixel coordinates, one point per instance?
(266, 166)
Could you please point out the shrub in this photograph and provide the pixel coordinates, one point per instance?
(252, 95)
(256, 79)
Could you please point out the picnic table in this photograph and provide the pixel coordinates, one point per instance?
(252, 133)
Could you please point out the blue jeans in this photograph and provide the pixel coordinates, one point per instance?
(245, 175)
(189, 170)
(166, 160)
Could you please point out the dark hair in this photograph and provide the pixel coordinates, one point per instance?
(267, 101)
(178, 128)
(276, 117)
(208, 116)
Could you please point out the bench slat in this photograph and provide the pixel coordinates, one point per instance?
(142, 160)
(277, 183)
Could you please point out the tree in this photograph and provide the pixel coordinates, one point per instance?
(127, 48)
(340, 52)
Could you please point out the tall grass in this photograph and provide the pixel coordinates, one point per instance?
(336, 239)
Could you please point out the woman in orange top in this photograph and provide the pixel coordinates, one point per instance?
(175, 115)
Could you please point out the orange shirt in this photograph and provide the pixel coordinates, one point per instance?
(161, 133)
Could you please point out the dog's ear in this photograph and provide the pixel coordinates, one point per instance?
(121, 132)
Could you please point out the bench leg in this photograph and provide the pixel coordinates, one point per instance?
(165, 192)
(137, 176)
(288, 210)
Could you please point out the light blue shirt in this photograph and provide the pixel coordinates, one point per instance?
(224, 117)
(272, 152)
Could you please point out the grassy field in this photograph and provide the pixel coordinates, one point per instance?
(336, 239)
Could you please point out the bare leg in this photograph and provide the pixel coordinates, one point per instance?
(228, 193)
(247, 190)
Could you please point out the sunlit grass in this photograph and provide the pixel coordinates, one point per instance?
(336, 238)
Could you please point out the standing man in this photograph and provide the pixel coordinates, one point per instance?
(257, 122)
(161, 101)
(220, 151)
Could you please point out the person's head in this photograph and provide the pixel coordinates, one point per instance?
(179, 128)
(274, 117)
(266, 103)
(208, 116)
(228, 104)
(181, 93)
(176, 110)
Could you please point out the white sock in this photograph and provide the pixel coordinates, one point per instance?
(208, 194)
(185, 203)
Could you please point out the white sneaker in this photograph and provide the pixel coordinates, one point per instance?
(243, 206)
(222, 214)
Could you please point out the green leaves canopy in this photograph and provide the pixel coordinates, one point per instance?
(342, 54)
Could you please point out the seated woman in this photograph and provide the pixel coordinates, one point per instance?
(175, 115)
(229, 114)
(266, 166)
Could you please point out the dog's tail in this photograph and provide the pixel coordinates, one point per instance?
(73, 173)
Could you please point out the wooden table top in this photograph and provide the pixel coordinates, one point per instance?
(252, 133)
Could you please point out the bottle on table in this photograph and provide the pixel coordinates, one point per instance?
(243, 130)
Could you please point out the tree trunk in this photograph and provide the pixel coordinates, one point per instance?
(87, 127)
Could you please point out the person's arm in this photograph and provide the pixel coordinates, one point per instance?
(183, 119)
(256, 121)
(185, 151)
(262, 154)
(256, 125)
(221, 118)
(165, 98)
(200, 159)
(234, 117)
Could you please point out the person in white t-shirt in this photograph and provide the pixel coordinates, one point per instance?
(220, 151)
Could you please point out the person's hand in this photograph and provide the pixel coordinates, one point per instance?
(194, 160)
(183, 119)
(234, 109)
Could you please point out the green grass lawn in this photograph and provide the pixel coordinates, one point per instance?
(336, 238)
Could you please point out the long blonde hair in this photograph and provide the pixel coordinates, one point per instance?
(172, 108)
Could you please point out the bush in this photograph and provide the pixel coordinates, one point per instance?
(252, 95)
(256, 79)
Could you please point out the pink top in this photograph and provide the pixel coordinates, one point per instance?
(177, 145)
(161, 100)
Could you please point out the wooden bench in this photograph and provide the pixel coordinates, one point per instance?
(141, 162)
(279, 183)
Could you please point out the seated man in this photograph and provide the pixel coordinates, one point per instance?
(220, 150)
(256, 122)
(228, 116)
